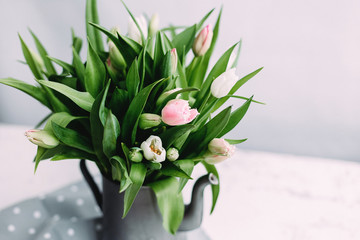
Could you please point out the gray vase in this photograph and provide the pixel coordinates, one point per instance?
(144, 220)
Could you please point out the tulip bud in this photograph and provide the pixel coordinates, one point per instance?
(220, 146)
(42, 138)
(164, 95)
(149, 120)
(117, 60)
(154, 25)
(218, 150)
(222, 85)
(174, 60)
(115, 30)
(203, 41)
(135, 154)
(133, 30)
(172, 154)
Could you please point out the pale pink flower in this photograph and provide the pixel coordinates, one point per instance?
(178, 112)
(203, 41)
(174, 60)
(218, 150)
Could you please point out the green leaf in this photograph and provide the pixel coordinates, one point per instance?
(79, 67)
(133, 113)
(172, 134)
(234, 142)
(235, 63)
(164, 69)
(120, 172)
(236, 117)
(137, 176)
(133, 79)
(146, 63)
(153, 165)
(76, 42)
(136, 23)
(199, 140)
(91, 14)
(172, 170)
(95, 73)
(98, 115)
(33, 91)
(82, 99)
(170, 203)
(119, 102)
(160, 50)
(237, 85)
(244, 98)
(199, 25)
(62, 119)
(215, 189)
(182, 80)
(72, 153)
(218, 69)
(126, 152)
(111, 134)
(43, 54)
(72, 138)
(184, 41)
(187, 165)
(128, 48)
(66, 66)
(30, 60)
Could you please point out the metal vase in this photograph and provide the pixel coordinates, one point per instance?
(143, 221)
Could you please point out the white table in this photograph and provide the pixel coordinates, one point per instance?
(264, 195)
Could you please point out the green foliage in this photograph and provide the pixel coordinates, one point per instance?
(170, 202)
(215, 189)
(33, 91)
(82, 99)
(137, 176)
(91, 15)
(95, 73)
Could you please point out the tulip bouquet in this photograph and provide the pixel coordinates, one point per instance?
(141, 108)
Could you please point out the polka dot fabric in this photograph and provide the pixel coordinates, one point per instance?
(69, 213)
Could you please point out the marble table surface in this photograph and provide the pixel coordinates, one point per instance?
(263, 195)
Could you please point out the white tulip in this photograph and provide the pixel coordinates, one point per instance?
(154, 24)
(133, 30)
(153, 150)
(222, 85)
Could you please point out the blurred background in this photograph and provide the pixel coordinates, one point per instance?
(310, 51)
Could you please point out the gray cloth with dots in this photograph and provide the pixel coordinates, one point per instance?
(68, 213)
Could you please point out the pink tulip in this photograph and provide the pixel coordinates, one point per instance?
(203, 41)
(178, 112)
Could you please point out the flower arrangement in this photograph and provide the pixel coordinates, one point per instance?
(138, 110)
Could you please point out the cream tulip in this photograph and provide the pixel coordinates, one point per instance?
(222, 85)
(153, 150)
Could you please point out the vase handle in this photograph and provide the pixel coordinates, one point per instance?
(90, 181)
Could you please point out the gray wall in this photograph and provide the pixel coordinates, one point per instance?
(310, 51)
